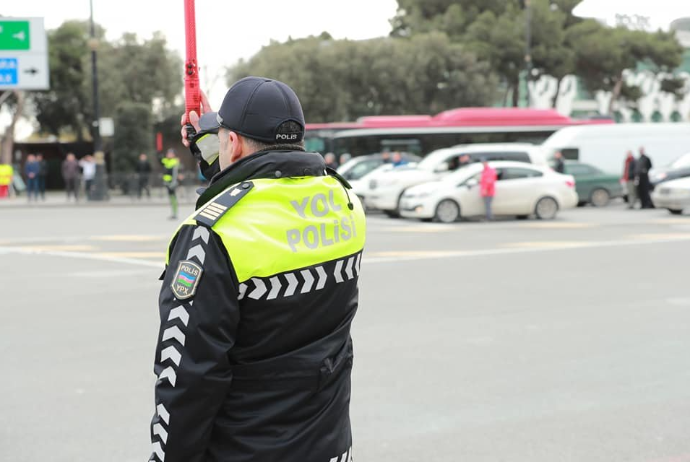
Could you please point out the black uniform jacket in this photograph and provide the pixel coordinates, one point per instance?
(243, 380)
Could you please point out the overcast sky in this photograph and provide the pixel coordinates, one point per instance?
(228, 30)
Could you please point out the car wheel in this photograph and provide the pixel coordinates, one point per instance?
(600, 197)
(546, 208)
(447, 211)
(676, 211)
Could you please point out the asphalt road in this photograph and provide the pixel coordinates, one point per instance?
(509, 341)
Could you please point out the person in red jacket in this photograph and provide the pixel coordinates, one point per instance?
(487, 187)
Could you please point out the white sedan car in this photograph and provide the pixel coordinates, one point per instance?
(673, 195)
(383, 190)
(521, 190)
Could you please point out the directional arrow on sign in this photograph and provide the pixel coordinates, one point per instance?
(32, 71)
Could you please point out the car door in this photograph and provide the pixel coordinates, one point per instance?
(584, 179)
(467, 194)
(517, 190)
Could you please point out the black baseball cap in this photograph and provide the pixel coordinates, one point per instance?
(257, 107)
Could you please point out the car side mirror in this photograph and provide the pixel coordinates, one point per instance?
(444, 167)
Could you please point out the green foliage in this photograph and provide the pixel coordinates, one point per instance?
(343, 80)
(62, 107)
(561, 43)
(602, 54)
(674, 86)
(133, 134)
(129, 71)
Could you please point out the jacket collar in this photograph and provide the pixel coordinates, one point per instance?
(264, 164)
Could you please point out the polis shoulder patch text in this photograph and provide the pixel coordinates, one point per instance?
(186, 279)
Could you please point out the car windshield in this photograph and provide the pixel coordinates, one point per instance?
(681, 162)
(358, 169)
(436, 158)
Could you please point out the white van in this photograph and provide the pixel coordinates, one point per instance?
(604, 146)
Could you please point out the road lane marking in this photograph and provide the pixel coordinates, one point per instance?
(65, 248)
(394, 256)
(418, 229)
(557, 225)
(546, 244)
(79, 255)
(158, 255)
(131, 238)
(660, 236)
(431, 255)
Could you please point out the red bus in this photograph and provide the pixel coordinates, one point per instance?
(421, 134)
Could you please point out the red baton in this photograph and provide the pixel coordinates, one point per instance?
(192, 92)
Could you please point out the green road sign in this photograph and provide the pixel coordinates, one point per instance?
(14, 35)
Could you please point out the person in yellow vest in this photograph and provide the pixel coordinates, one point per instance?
(171, 177)
(6, 174)
(254, 353)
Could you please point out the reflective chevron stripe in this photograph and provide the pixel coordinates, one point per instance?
(346, 457)
(158, 430)
(322, 278)
(301, 281)
(171, 355)
(179, 313)
(292, 284)
(173, 332)
(308, 281)
(170, 374)
(158, 451)
(338, 271)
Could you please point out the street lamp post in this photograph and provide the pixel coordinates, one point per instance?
(99, 191)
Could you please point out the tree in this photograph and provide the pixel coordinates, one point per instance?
(343, 80)
(15, 101)
(63, 107)
(603, 54)
(133, 134)
(129, 71)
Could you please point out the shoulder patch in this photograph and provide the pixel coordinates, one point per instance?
(186, 279)
(210, 213)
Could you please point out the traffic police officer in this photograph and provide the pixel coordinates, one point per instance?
(254, 352)
(171, 171)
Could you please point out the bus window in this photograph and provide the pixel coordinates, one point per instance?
(315, 144)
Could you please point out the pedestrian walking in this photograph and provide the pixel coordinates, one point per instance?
(558, 163)
(31, 171)
(70, 174)
(487, 188)
(629, 174)
(88, 167)
(42, 175)
(254, 353)
(143, 175)
(171, 177)
(642, 168)
(6, 174)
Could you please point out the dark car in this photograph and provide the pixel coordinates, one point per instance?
(592, 185)
(679, 168)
